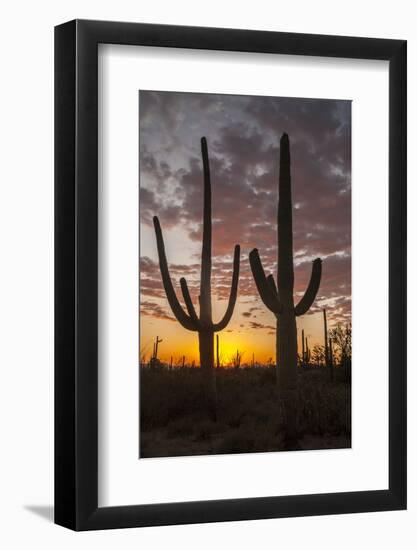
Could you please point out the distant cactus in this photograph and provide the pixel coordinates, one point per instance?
(331, 353)
(327, 353)
(326, 342)
(308, 354)
(237, 359)
(203, 324)
(154, 362)
(305, 356)
(279, 298)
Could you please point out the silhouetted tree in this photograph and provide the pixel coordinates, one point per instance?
(342, 342)
(318, 355)
(341, 337)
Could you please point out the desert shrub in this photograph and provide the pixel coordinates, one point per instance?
(173, 420)
(181, 427)
(239, 440)
(205, 430)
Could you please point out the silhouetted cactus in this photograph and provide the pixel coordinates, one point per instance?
(154, 362)
(279, 298)
(326, 346)
(203, 324)
(237, 359)
(331, 352)
(303, 352)
(327, 354)
(305, 355)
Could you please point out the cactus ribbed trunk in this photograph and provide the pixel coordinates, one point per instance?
(279, 298)
(287, 328)
(206, 336)
(206, 345)
(287, 352)
(205, 341)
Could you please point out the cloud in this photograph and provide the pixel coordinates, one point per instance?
(152, 309)
(255, 325)
(243, 139)
(250, 311)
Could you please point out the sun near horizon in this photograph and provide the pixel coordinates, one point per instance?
(243, 143)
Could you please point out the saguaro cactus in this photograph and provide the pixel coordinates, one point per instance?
(237, 359)
(154, 362)
(303, 353)
(203, 324)
(326, 341)
(155, 347)
(327, 348)
(331, 352)
(279, 298)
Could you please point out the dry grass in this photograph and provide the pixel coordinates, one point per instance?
(173, 422)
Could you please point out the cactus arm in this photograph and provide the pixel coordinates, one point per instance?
(313, 286)
(233, 293)
(188, 302)
(272, 302)
(273, 287)
(176, 307)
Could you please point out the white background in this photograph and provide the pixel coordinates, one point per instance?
(123, 479)
(26, 301)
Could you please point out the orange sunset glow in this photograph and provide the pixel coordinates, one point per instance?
(243, 142)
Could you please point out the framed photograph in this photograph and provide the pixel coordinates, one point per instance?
(230, 255)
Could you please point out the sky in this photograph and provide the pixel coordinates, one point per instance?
(243, 134)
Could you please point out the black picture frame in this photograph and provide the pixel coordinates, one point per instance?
(76, 272)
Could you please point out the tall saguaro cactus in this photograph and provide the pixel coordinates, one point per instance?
(202, 323)
(279, 298)
(327, 348)
(326, 339)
